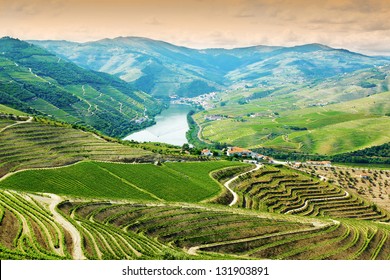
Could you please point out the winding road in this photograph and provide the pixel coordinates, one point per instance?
(200, 133)
(52, 200)
(235, 195)
(17, 123)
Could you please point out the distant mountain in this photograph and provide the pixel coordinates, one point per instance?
(163, 69)
(36, 81)
(156, 67)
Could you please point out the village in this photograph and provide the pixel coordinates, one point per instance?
(249, 156)
(203, 100)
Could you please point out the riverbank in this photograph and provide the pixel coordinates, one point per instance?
(171, 127)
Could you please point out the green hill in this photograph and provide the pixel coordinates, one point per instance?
(36, 81)
(176, 210)
(163, 69)
(183, 182)
(10, 111)
(328, 129)
(30, 144)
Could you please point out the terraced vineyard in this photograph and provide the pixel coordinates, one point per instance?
(176, 210)
(28, 230)
(115, 230)
(186, 182)
(35, 145)
(285, 191)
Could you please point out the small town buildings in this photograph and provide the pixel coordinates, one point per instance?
(232, 151)
(206, 152)
(297, 164)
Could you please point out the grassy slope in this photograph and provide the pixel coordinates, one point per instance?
(187, 182)
(34, 144)
(7, 110)
(330, 129)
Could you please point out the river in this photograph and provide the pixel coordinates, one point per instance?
(171, 127)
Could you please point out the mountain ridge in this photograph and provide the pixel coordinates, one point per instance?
(164, 69)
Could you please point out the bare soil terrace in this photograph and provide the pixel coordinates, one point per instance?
(372, 184)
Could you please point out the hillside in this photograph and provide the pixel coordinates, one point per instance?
(29, 144)
(313, 220)
(274, 122)
(36, 81)
(70, 192)
(163, 69)
(156, 67)
(172, 181)
(98, 208)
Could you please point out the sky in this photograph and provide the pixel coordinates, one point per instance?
(357, 25)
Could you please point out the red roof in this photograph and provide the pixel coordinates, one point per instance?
(234, 150)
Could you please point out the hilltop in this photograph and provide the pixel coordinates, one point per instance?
(163, 69)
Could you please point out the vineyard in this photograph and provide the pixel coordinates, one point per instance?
(35, 145)
(94, 208)
(187, 182)
(282, 190)
(117, 230)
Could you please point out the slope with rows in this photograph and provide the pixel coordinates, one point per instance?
(286, 191)
(185, 182)
(31, 144)
(209, 232)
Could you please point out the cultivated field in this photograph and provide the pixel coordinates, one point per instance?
(97, 209)
(283, 190)
(34, 145)
(328, 129)
(185, 182)
(372, 184)
(117, 230)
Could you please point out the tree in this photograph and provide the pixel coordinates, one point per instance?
(185, 147)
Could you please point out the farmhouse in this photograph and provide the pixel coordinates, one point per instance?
(258, 156)
(206, 152)
(364, 176)
(239, 152)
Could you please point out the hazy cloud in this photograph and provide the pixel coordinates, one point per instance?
(28, 8)
(359, 25)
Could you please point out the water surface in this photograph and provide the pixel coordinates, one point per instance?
(171, 127)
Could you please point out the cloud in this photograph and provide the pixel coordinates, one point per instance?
(31, 8)
(376, 25)
(23, 8)
(361, 6)
(359, 25)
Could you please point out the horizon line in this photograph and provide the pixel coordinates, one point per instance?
(200, 49)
